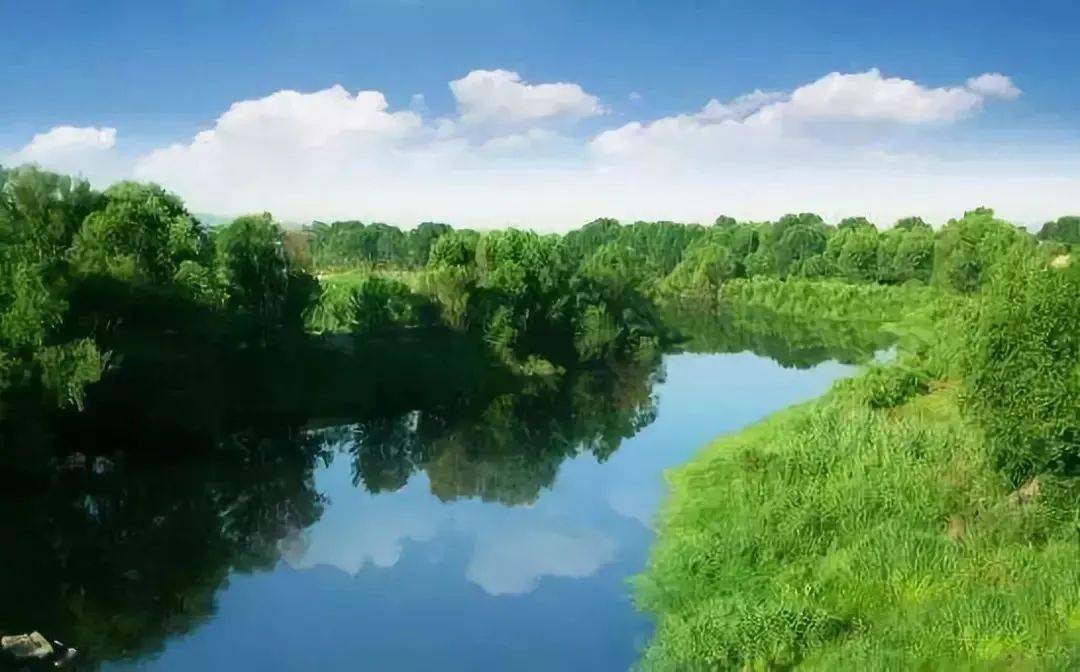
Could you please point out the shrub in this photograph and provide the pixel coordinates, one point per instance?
(1023, 365)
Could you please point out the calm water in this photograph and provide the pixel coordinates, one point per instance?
(432, 576)
(296, 515)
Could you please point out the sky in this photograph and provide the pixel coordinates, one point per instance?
(549, 113)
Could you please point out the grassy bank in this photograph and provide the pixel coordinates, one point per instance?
(923, 515)
(840, 536)
(837, 300)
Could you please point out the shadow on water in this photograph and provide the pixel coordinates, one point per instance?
(190, 464)
(791, 342)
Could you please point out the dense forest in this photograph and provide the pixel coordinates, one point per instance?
(922, 512)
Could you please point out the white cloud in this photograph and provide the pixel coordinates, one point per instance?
(289, 143)
(533, 140)
(994, 85)
(512, 561)
(65, 140)
(843, 144)
(837, 107)
(739, 108)
(869, 96)
(501, 97)
(73, 149)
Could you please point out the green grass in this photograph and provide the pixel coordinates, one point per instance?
(834, 299)
(356, 277)
(835, 535)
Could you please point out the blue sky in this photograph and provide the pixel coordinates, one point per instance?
(160, 72)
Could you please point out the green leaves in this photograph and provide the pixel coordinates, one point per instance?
(67, 370)
(142, 235)
(1023, 363)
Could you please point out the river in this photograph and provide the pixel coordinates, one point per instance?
(501, 535)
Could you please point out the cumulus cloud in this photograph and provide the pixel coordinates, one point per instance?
(513, 562)
(286, 142)
(72, 149)
(848, 143)
(838, 106)
(994, 85)
(502, 97)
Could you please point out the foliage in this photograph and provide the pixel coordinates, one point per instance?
(905, 254)
(853, 252)
(350, 244)
(265, 290)
(968, 247)
(836, 536)
(893, 385)
(705, 266)
(1062, 230)
(456, 249)
(1023, 365)
(142, 235)
(66, 370)
(832, 299)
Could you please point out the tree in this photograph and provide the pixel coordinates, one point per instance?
(703, 270)
(456, 248)
(142, 235)
(855, 223)
(905, 254)
(1063, 230)
(853, 252)
(251, 254)
(796, 237)
(619, 268)
(1023, 364)
(967, 247)
(911, 223)
(422, 238)
(40, 212)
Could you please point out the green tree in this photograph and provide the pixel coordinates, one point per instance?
(422, 238)
(911, 223)
(967, 247)
(142, 235)
(855, 223)
(251, 254)
(703, 270)
(905, 254)
(1063, 230)
(456, 248)
(853, 252)
(1023, 364)
(794, 238)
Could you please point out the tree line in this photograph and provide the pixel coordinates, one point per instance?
(89, 278)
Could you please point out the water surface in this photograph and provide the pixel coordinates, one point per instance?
(381, 505)
(432, 576)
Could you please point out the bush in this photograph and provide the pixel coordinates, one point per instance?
(66, 370)
(891, 386)
(1023, 365)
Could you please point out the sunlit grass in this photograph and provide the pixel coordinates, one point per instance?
(837, 536)
(356, 277)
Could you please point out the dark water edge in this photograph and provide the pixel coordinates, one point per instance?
(394, 505)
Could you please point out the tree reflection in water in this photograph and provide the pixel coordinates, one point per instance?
(118, 554)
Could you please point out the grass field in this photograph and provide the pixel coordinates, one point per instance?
(836, 535)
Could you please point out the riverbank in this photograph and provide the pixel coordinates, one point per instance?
(874, 528)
